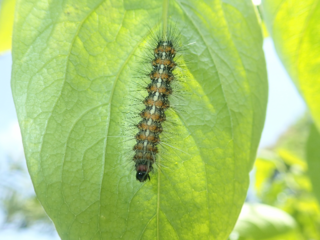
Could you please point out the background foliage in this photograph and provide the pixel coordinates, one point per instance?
(282, 180)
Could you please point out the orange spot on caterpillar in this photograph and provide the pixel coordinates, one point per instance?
(163, 89)
(153, 127)
(160, 103)
(150, 147)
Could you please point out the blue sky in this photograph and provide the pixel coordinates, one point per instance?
(285, 106)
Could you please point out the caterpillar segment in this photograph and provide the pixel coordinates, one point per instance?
(156, 103)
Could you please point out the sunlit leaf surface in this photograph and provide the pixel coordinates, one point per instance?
(6, 23)
(295, 30)
(74, 65)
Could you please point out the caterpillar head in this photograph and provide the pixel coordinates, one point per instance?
(142, 171)
(142, 176)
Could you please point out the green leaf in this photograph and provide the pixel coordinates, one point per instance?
(259, 221)
(74, 66)
(264, 169)
(295, 29)
(313, 158)
(264, 30)
(291, 159)
(6, 24)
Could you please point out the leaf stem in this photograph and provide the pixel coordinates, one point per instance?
(164, 18)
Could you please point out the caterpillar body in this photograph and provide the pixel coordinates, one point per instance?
(156, 103)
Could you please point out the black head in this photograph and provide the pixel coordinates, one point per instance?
(142, 176)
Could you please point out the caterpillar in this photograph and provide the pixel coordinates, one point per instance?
(156, 103)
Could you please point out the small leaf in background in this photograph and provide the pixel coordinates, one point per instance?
(291, 159)
(6, 24)
(260, 221)
(264, 170)
(313, 158)
(295, 30)
(269, 178)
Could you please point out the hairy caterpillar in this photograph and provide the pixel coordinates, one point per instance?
(156, 103)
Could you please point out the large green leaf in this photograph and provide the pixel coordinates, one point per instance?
(313, 158)
(6, 22)
(74, 63)
(259, 221)
(295, 29)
